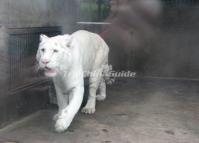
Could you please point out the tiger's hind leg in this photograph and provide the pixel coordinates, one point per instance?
(102, 90)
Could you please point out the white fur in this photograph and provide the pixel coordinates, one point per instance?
(68, 57)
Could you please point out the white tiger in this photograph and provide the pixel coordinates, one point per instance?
(64, 58)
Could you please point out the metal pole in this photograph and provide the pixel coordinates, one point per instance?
(99, 10)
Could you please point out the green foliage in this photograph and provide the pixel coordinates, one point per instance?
(90, 8)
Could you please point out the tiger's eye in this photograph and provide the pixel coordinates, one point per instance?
(43, 50)
(55, 51)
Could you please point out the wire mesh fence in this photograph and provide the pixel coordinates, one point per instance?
(180, 2)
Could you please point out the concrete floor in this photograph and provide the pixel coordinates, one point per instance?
(136, 111)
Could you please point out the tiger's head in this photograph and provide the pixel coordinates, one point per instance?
(54, 54)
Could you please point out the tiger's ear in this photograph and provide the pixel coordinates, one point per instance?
(69, 42)
(43, 37)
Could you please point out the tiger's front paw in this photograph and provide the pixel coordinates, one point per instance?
(88, 109)
(61, 125)
(63, 121)
(56, 116)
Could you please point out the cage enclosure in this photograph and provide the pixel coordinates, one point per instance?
(156, 39)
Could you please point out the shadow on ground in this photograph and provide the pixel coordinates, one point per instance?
(136, 111)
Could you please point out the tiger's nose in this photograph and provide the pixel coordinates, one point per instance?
(45, 61)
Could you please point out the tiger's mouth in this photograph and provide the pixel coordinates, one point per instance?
(49, 72)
